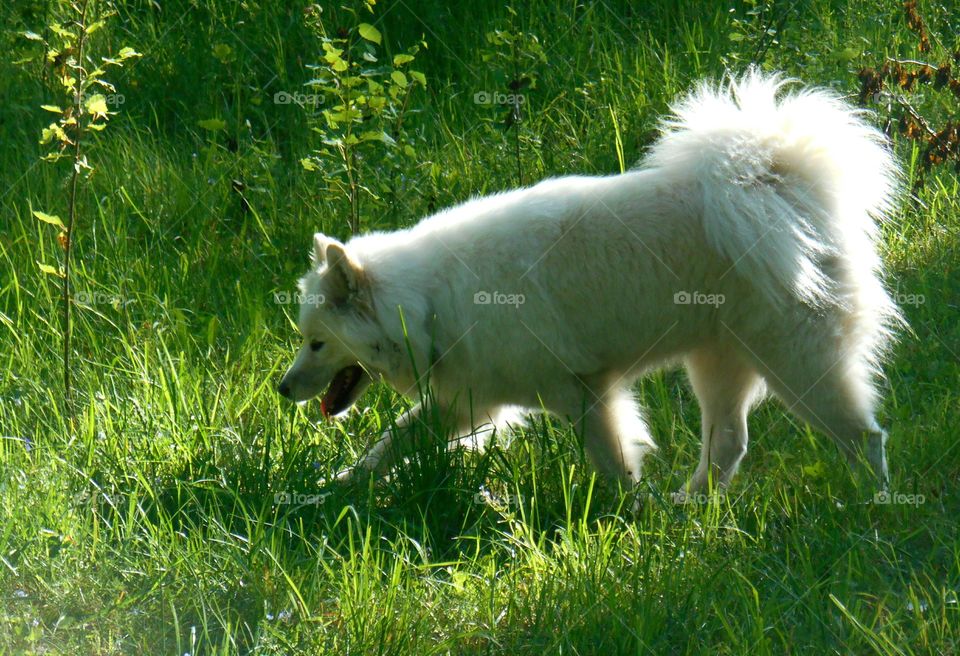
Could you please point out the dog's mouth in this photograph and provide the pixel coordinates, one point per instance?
(344, 390)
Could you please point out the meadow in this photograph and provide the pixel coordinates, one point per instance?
(179, 505)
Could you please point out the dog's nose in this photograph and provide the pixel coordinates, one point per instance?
(284, 389)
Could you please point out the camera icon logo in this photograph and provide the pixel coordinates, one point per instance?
(681, 298)
(282, 98)
(482, 298)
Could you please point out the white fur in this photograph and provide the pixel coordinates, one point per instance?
(762, 198)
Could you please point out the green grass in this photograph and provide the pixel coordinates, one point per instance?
(147, 521)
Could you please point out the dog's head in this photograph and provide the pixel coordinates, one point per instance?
(340, 338)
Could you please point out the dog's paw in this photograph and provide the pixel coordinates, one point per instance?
(346, 476)
(358, 474)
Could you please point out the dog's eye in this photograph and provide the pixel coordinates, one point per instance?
(316, 346)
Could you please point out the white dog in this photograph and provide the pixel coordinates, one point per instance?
(742, 245)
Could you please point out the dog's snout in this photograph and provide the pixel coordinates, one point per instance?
(284, 388)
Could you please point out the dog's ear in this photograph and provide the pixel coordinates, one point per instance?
(344, 274)
(320, 243)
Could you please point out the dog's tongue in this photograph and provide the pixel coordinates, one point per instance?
(329, 399)
(333, 400)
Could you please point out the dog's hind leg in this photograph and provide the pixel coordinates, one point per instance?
(832, 390)
(615, 436)
(726, 386)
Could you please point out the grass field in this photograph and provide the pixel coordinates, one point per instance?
(180, 507)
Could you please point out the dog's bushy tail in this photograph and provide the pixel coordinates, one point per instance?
(793, 186)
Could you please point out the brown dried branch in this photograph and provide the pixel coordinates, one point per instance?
(897, 78)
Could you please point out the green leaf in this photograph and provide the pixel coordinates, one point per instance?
(419, 77)
(33, 36)
(847, 54)
(370, 33)
(222, 51)
(93, 27)
(342, 116)
(127, 53)
(52, 219)
(212, 326)
(46, 268)
(332, 52)
(62, 33)
(213, 124)
(377, 136)
(308, 164)
(400, 60)
(93, 77)
(399, 78)
(105, 85)
(52, 132)
(97, 105)
(52, 108)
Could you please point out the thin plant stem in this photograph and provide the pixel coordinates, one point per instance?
(72, 206)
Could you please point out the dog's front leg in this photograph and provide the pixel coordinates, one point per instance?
(382, 455)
